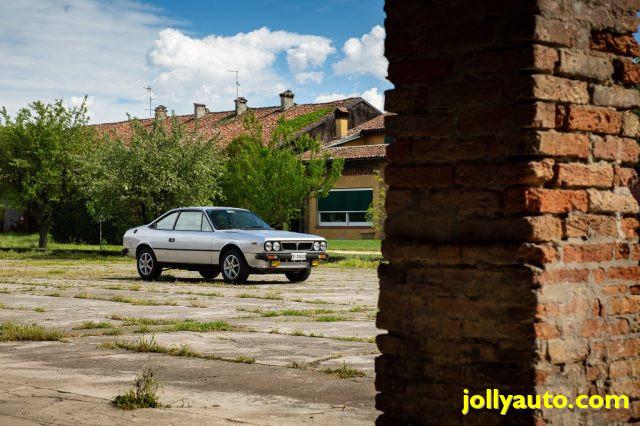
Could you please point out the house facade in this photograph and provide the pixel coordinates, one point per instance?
(342, 213)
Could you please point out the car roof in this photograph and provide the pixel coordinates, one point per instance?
(209, 208)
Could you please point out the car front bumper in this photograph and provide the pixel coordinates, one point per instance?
(278, 261)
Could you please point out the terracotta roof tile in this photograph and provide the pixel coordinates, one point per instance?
(356, 152)
(226, 124)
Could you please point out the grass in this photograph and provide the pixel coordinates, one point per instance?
(354, 245)
(330, 318)
(344, 372)
(353, 262)
(125, 299)
(12, 240)
(150, 345)
(90, 325)
(175, 325)
(144, 393)
(287, 312)
(271, 295)
(12, 332)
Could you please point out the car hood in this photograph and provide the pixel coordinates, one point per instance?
(271, 234)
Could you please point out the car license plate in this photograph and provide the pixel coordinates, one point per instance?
(298, 256)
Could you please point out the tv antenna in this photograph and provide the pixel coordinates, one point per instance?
(237, 83)
(148, 89)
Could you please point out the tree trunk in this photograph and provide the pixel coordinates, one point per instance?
(44, 233)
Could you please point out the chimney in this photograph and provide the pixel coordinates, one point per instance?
(161, 112)
(342, 121)
(241, 105)
(286, 100)
(199, 110)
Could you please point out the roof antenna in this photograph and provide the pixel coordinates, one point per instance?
(237, 84)
(148, 89)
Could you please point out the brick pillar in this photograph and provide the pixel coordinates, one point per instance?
(511, 233)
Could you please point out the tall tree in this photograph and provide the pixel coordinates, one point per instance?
(39, 157)
(276, 178)
(162, 166)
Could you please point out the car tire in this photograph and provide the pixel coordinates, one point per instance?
(148, 267)
(234, 267)
(298, 276)
(210, 273)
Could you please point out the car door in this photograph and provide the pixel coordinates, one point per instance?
(190, 241)
(159, 234)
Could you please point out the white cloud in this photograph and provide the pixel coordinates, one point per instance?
(310, 77)
(64, 48)
(364, 55)
(372, 96)
(198, 68)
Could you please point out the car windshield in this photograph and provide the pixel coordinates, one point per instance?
(236, 219)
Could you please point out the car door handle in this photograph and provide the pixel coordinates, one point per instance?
(172, 240)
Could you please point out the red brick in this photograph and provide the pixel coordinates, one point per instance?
(615, 96)
(618, 201)
(546, 331)
(419, 176)
(544, 228)
(588, 253)
(623, 273)
(627, 72)
(624, 176)
(621, 44)
(630, 227)
(590, 225)
(538, 200)
(622, 348)
(597, 327)
(550, 88)
(555, 276)
(538, 254)
(593, 119)
(624, 305)
(582, 175)
(562, 144)
(533, 173)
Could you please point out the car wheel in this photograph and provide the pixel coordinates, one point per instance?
(298, 276)
(210, 273)
(234, 267)
(148, 267)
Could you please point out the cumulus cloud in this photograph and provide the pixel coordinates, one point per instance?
(198, 68)
(64, 48)
(373, 96)
(364, 55)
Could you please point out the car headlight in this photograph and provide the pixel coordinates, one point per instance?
(276, 246)
(267, 246)
(323, 245)
(316, 246)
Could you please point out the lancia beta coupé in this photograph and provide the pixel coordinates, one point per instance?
(213, 240)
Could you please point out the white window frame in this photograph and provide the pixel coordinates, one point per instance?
(348, 223)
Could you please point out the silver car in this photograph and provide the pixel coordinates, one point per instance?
(211, 240)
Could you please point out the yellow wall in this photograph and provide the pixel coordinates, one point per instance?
(348, 181)
(373, 139)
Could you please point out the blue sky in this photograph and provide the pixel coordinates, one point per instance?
(183, 49)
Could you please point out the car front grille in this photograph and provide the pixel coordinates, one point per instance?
(289, 246)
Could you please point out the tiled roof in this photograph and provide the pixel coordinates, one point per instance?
(226, 124)
(355, 152)
(376, 123)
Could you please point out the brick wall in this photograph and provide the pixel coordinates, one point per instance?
(511, 233)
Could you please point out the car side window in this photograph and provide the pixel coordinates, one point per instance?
(166, 223)
(205, 224)
(189, 221)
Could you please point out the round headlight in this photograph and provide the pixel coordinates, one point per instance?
(276, 246)
(316, 246)
(323, 245)
(267, 246)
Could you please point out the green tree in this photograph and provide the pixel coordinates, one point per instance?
(275, 178)
(40, 151)
(162, 166)
(376, 212)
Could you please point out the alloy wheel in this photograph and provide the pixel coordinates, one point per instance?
(145, 263)
(231, 266)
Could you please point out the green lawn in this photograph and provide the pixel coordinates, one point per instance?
(30, 241)
(354, 245)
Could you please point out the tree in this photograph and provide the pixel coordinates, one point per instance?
(162, 166)
(376, 212)
(40, 156)
(274, 178)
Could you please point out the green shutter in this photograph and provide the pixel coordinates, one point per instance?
(346, 201)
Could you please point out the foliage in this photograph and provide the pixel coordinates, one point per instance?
(12, 332)
(376, 212)
(143, 394)
(40, 151)
(161, 167)
(287, 127)
(271, 178)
